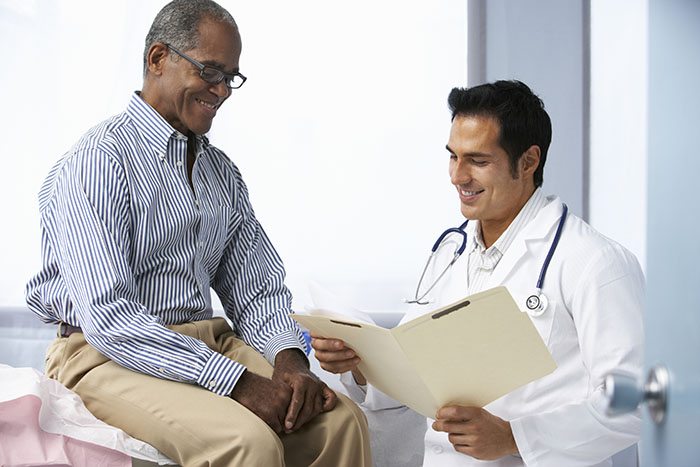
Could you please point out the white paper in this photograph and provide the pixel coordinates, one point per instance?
(325, 303)
(63, 412)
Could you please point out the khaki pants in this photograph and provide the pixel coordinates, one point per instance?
(196, 427)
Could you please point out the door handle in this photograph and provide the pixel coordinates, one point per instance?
(624, 393)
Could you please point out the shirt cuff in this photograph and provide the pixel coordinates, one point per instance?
(521, 441)
(357, 392)
(220, 374)
(280, 342)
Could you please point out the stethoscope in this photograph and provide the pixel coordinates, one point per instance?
(535, 303)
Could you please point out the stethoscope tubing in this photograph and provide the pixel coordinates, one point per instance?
(553, 247)
(539, 299)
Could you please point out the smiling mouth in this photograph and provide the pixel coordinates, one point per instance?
(470, 193)
(207, 105)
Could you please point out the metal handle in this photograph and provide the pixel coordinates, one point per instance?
(624, 393)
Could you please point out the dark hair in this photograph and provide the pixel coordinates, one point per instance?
(519, 112)
(177, 24)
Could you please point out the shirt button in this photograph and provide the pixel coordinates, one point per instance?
(161, 155)
(179, 163)
(212, 383)
(437, 449)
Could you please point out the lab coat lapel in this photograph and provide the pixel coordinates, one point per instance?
(455, 284)
(528, 243)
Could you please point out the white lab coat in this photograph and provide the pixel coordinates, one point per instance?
(592, 326)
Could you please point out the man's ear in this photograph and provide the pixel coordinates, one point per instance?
(530, 160)
(155, 58)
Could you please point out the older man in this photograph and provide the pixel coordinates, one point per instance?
(140, 219)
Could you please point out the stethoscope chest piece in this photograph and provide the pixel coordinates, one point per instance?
(536, 304)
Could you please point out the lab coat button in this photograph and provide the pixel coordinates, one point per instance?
(437, 449)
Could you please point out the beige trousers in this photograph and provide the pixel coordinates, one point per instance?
(196, 427)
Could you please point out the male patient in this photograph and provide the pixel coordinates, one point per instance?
(139, 220)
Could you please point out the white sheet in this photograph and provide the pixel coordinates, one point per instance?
(63, 412)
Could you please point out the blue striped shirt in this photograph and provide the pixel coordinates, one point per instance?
(129, 248)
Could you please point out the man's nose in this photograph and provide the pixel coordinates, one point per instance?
(220, 89)
(460, 172)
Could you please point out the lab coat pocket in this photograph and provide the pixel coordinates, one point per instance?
(543, 321)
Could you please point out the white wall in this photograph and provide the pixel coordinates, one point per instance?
(618, 154)
(541, 43)
(339, 131)
(579, 56)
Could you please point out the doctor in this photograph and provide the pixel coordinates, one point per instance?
(593, 290)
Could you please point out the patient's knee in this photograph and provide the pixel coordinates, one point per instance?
(255, 444)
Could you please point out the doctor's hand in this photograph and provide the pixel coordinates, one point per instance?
(476, 432)
(334, 357)
(310, 395)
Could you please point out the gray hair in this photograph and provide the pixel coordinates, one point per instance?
(177, 24)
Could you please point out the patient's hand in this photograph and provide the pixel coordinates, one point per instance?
(310, 395)
(266, 398)
(336, 358)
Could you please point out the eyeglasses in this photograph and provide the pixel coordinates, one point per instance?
(212, 75)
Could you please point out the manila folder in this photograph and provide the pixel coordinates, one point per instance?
(469, 353)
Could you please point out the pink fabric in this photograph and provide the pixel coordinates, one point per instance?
(24, 443)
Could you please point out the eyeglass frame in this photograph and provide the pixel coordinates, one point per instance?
(200, 66)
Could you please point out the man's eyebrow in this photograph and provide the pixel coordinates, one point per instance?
(218, 66)
(469, 154)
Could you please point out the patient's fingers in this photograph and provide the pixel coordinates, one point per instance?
(329, 399)
(295, 405)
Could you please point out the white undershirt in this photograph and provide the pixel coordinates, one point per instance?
(481, 261)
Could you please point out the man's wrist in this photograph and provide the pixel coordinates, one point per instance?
(283, 341)
(291, 358)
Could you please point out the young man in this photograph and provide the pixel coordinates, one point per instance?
(139, 220)
(594, 288)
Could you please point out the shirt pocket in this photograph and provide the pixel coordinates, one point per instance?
(219, 222)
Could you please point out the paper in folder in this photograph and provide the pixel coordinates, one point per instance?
(468, 353)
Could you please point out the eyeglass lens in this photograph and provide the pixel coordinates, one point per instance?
(214, 76)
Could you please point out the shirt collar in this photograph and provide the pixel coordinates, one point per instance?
(154, 128)
(524, 217)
